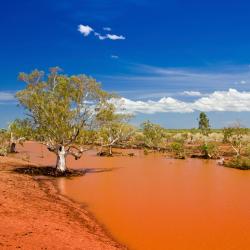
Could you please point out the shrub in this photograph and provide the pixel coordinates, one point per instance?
(242, 163)
(209, 150)
(178, 149)
(236, 136)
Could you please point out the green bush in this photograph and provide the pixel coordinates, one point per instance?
(209, 150)
(242, 163)
(178, 149)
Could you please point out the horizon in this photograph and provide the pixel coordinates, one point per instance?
(170, 60)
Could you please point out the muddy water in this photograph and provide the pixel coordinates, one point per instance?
(150, 202)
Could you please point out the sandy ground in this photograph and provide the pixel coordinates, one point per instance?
(33, 215)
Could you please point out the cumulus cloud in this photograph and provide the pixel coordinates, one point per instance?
(85, 29)
(231, 100)
(164, 105)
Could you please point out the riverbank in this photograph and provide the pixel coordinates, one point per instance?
(35, 216)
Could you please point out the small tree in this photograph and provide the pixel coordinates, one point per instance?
(234, 135)
(113, 127)
(18, 131)
(153, 134)
(60, 107)
(4, 142)
(204, 125)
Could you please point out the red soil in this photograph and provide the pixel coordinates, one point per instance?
(35, 216)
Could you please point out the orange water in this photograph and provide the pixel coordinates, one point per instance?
(151, 202)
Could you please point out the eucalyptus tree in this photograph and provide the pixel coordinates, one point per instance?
(60, 108)
(204, 125)
(113, 127)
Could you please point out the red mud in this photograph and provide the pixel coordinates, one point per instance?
(35, 216)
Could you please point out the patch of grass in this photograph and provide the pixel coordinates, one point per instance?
(242, 163)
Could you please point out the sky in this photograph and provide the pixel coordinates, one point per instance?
(167, 59)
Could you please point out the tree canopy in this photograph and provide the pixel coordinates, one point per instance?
(204, 125)
(59, 108)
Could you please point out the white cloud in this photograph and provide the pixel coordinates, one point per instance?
(115, 37)
(85, 29)
(6, 96)
(164, 105)
(107, 28)
(231, 100)
(108, 36)
(101, 37)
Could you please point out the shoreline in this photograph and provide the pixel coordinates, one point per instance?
(35, 215)
(82, 206)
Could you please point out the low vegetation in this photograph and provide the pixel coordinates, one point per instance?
(242, 163)
(178, 149)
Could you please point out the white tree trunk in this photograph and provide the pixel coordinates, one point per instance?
(110, 150)
(61, 161)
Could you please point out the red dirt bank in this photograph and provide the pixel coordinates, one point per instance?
(35, 216)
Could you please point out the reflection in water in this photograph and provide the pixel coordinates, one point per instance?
(150, 202)
(61, 185)
(98, 170)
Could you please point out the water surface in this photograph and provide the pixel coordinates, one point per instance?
(156, 203)
(151, 202)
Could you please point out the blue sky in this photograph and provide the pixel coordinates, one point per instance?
(169, 59)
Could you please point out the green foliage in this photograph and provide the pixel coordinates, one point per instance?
(4, 142)
(153, 134)
(242, 163)
(209, 150)
(113, 127)
(178, 149)
(87, 137)
(227, 133)
(60, 107)
(235, 136)
(20, 130)
(204, 125)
